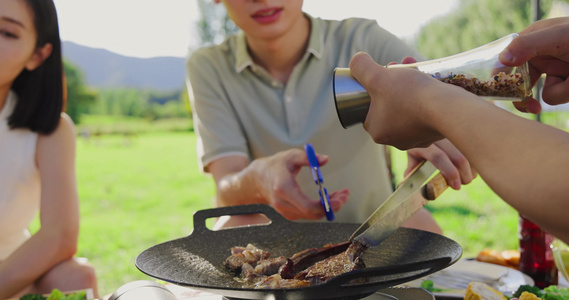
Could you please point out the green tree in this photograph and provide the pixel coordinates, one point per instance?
(214, 24)
(124, 101)
(185, 101)
(138, 103)
(474, 23)
(79, 97)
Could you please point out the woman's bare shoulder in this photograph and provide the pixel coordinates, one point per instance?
(63, 136)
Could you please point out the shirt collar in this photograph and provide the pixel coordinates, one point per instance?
(244, 60)
(242, 57)
(315, 45)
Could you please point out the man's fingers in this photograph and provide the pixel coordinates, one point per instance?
(555, 90)
(408, 60)
(545, 23)
(359, 67)
(339, 198)
(552, 42)
(466, 171)
(529, 105)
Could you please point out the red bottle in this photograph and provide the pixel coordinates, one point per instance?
(536, 257)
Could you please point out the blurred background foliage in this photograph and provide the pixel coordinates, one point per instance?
(85, 102)
(214, 24)
(475, 23)
(471, 24)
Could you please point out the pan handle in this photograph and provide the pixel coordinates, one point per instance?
(426, 267)
(202, 215)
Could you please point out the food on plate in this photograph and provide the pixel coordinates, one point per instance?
(530, 289)
(481, 291)
(491, 256)
(57, 295)
(528, 296)
(501, 84)
(551, 292)
(257, 269)
(33, 297)
(512, 257)
(429, 285)
(508, 258)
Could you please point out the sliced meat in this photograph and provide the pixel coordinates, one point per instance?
(248, 272)
(277, 282)
(264, 267)
(241, 255)
(270, 266)
(308, 257)
(344, 262)
(319, 264)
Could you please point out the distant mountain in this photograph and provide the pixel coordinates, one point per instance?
(104, 69)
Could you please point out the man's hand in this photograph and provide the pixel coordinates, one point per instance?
(545, 46)
(278, 185)
(447, 158)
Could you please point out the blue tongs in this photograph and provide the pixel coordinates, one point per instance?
(317, 175)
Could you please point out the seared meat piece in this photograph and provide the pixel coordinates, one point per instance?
(235, 261)
(263, 268)
(308, 257)
(287, 270)
(327, 262)
(276, 282)
(335, 265)
(270, 266)
(241, 255)
(247, 271)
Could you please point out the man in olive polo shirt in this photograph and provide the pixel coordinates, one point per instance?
(262, 94)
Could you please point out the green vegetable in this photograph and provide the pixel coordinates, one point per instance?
(553, 292)
(56, 295)
(528, 288)
(429, 286)
(76, 296)
(33, 297)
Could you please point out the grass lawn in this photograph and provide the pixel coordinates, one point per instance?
(136, 192)
(140, 190)
(474, 216)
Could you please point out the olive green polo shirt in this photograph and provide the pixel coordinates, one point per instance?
(239, 109)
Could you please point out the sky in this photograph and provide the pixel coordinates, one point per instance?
(151, 28)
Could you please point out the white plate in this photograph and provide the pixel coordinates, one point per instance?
(454, 279)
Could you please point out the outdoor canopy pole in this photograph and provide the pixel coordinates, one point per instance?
(536, 9)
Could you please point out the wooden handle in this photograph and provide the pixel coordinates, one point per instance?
(435, 187)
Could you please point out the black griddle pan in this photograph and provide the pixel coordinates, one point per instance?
(196, 261)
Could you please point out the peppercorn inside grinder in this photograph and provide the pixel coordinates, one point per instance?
(478, 71)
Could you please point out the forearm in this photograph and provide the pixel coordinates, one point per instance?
(33, 259)
(522, 161)
(240, 188)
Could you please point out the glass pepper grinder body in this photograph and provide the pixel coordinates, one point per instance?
(478, 71)
(536, 256)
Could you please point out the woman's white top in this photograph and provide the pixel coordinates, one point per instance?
(19, 181)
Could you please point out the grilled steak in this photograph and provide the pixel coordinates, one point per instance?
(319, 265)
(334, 265)
(277, 282)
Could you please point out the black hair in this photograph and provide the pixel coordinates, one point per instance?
(40, 92)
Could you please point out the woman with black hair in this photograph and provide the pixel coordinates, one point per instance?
(37, 157)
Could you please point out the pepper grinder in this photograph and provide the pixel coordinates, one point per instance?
(478, 71)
